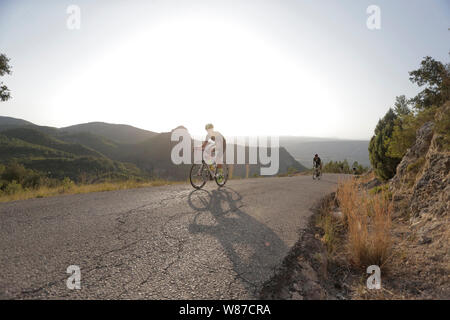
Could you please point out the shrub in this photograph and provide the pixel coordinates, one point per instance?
(67, 184)
(13, 187)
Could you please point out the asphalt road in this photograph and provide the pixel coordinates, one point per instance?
(155, 243)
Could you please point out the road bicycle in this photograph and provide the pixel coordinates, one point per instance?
(317, 173)
(202, 172)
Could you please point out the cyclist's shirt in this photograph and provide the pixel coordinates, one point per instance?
(317, 162)
(218, 138)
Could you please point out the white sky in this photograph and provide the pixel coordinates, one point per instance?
(309, 68)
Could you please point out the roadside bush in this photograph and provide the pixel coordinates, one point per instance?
(67, 184)
(13, 187)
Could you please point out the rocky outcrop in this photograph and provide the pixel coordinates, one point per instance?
(421, 185)
(407, 169)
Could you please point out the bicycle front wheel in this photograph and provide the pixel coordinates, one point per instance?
(221, 177)
(198, 175)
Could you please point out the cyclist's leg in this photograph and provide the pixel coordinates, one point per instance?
(219, 159)
(219, 154)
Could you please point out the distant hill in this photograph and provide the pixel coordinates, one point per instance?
(36, 137)
(120, 133)
(303, 149)
(9, 123)
(98, 150)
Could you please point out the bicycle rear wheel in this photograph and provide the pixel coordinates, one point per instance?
(198, 175)
(315, 174)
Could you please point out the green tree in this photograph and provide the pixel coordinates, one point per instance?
(401, 107)
(383, 164)
(435, 76)
(5, 68)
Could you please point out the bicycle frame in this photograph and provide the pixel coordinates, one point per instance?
(207, 165)
(209, 169)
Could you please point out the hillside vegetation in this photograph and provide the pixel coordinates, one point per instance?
(396, 132)
(396, 217)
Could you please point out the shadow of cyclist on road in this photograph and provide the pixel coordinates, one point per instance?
(253, 248)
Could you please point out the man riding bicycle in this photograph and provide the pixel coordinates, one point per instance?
(317, 162)
(219, 148)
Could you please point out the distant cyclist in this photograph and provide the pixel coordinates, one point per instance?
(220, 145)
(317, 162)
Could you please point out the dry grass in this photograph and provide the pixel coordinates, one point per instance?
(333, 227)
(365, 178)
(85, 188)
(368, 218)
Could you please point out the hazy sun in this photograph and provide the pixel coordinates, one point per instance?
(195, 70)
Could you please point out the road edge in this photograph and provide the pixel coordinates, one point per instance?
(303, 272)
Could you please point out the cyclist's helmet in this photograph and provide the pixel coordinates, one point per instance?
(316, 155)
(209, 126)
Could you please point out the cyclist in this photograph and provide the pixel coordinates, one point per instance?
(220, 146)
(317, 162)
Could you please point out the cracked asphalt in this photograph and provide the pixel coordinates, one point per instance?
(166, 242)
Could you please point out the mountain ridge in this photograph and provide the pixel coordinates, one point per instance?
(75, 151)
